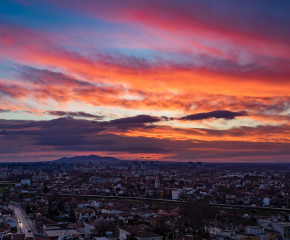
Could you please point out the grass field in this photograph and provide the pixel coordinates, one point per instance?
(135, 202)
(3, 189)
(248, 211)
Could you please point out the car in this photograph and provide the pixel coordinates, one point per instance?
(29, 230)
(19, 220)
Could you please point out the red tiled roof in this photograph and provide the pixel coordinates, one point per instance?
(18, 236)
(80, 224)
(139, 232)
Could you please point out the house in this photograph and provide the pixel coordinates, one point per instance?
(107, 216)
(83, 214)
(3, 205)
(231, 199)
(176, 194)
(53, 233)
(83, 227)
(138, 231)
(125, 216)
(146, 214)
(71, 237)
(40, 221)
(274, 225)
(4, 229)
(20, 236)
(158, 222)
(251, 233)
(155, 192)
(25, 181)
(11, 221)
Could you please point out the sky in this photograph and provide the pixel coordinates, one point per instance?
(167, 80)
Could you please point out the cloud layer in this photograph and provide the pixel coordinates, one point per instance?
(158, 79)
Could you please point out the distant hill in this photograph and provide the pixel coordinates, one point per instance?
(86, 159)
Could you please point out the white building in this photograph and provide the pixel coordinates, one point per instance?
(274, 225)
(157, 182)
(25, 181)
(176, 194)
(266, 202)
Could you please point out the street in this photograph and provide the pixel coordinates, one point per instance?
(25, 223)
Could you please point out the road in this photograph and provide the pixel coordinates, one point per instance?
(25, 223)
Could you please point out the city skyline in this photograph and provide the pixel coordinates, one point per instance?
(145, 80)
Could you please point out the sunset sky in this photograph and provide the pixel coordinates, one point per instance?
(168, 80)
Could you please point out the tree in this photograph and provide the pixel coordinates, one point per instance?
(72, 216)
(54, 212)
(160, 232)
(198, 215)
(131, 236)
(45, 189)
(182, 195)
(27, 209)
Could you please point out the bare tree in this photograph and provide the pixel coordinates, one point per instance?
(198, 216)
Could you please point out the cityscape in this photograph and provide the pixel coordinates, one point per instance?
(144, 120)
(144, 200)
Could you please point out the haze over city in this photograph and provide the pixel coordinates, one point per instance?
(162, 80)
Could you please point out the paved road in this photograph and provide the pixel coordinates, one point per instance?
(26, 223)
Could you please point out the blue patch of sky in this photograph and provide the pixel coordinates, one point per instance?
(84, 34)
(7, 68)
(79, 33)
(42, 16)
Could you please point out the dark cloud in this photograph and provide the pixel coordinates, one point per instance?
(79, 136)
(59, 124)
(47, 77)
(214, 114)
(4, 110)
(136, 119)
(74, 114)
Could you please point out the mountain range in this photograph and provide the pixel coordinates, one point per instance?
(86, 159)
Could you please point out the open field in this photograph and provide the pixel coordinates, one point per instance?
(3, 189)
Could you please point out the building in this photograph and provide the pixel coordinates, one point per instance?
(274, 225)
(145, 172)
(251, 233)
(190, 164)
(157, 182)
(134, 165)
(25, 182)
(266, 202)
(54, 232)
(176, 194)
(83, 214)
(138, 231)
(70, 237)
(231, 199)
(199, 164)
(143, 165)
(155, 192)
